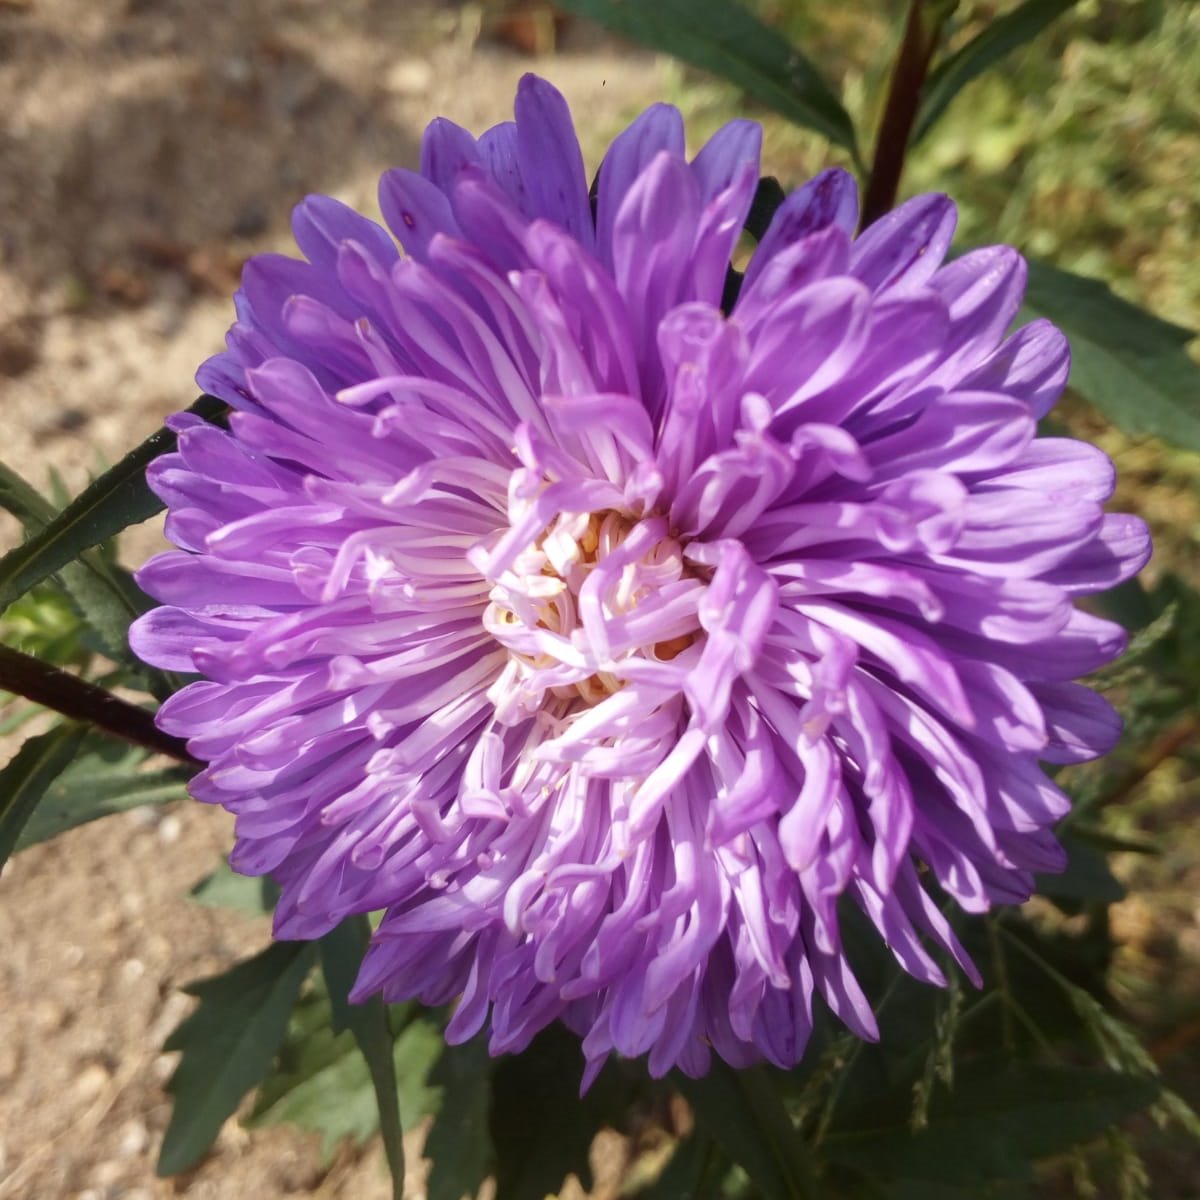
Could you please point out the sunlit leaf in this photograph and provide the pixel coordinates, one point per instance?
(1001, 37)
(1130, 364)
(227, 1045)
(321, 1080)
(26, 779)
(225, 888)
(117, 499)
(342, 951)
(727, 39)
(102, 592)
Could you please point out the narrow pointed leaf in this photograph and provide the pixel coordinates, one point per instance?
(727, 39)
(342, 951)
(117, 499)
(1130, 364)
(743, 1113)
(103, 593)
(322, 1082)
(105, 778)
(1002, 36)
(23, 783)
(227, 1046)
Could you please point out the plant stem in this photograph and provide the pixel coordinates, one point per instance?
(921, 36)
(64, 693)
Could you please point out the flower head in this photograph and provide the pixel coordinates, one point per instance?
(609, 640)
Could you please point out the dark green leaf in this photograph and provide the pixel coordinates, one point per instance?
(117, 499)
(459, 1145)
(1129, 364)
(1001, 1116)
(342, 951)
(23, 501)
(727, 39)
(24, 782)
(541, 1127)
(1087, 878)
(1002, 36)
(743, 1113)
(225, 888)
(227, 1044)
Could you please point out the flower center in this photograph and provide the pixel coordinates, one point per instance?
(596, 600)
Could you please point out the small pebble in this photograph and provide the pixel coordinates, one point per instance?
(91, 1081)
(134, 1139)
(169, 830)
(409, 77)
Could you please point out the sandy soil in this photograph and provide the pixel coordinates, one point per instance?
(146, 148)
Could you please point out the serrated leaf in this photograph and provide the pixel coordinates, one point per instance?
(117, 499)
(1130, 364)
(1001, 1116)
(459, 1145)
(743, 1113)
(541, 1127)
(322, 1081)
(727, 39)
(342, 951)
(102, 592)
(227, 1044)
(26, 779)
(105, 778)
(20, 498)
(1001, 37)
(225, 888)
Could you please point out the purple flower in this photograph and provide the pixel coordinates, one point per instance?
(608, 641)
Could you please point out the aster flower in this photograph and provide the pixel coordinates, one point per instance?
(609, 641)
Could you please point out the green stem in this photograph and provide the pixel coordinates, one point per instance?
(922, 33)
(73, 697)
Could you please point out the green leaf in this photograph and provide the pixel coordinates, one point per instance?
(25, 780)
(1001, 1116)
(743, 1113)
(227, 1045)
(1087, 879)
(1129, 364)
(102, 592)
(1002, 36)
(541, 1127)
(105, 778)
(342, 951)
(117, 499)
(727, 39)
(459, 1145)
(23, 500)
(225, 888)
(321, 1081)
